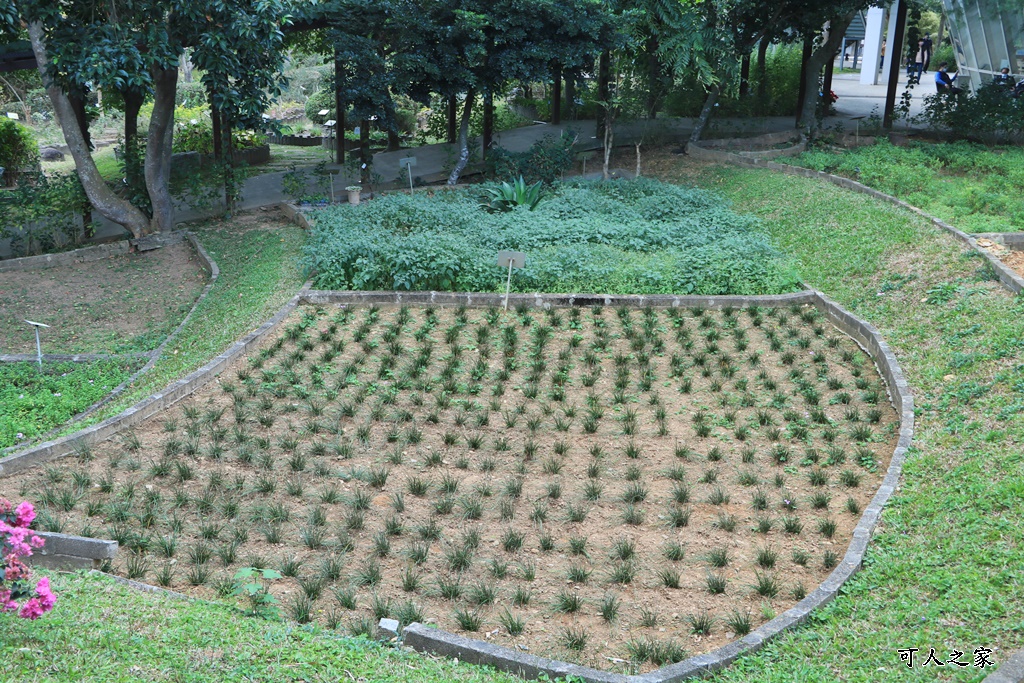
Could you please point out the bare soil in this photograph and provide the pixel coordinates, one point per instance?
(440, 465)
(126, 303)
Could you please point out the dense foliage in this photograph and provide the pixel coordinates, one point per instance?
(18, 150)
(989, 113)
(974, 187)
(40, 216)
(33, 401)
(632, 237)
(545, 161)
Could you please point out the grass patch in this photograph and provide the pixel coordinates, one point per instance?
(974, 187)
(195, 642)
(609, 237)
(257, 254)
(34, 401)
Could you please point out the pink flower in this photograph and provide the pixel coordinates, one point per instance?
(31, 609)
(6, 604)
(25, 514)
(46, 597)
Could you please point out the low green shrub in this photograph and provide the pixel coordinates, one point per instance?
(33, 401)
(545, 161)
(18, 150)
(619, 237)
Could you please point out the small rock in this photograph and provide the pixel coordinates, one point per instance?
(388, 627)
(51, 154)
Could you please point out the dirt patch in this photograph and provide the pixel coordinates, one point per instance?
(620, 488)
(126, 303)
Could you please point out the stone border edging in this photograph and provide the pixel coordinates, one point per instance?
(63, 551)
(1010, 279)
(210, 266)
(1010, 671)
(322, 296)
(467, 649)
(174, 392)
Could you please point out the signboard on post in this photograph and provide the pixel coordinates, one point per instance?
(510, 260)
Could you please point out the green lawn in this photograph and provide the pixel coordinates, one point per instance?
(102, 632)
(944, 568)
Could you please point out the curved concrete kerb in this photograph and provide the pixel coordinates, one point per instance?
(428, 639)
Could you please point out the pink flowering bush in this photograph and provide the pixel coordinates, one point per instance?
(18, 541)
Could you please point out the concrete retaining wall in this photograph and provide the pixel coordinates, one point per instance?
(62, 551)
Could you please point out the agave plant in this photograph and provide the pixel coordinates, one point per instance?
(508, 196)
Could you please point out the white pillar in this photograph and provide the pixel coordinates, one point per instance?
(873, 27)
(891, 59)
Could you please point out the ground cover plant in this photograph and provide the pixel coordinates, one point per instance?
(635, 237)
(974, 187)
(34, 401)
(559, 480)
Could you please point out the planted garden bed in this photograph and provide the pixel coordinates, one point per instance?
(583, 483)
(617, 237)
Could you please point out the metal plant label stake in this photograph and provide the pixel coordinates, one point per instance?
(510, 260)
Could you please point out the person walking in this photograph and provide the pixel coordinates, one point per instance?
(927, 44)
(919, 59)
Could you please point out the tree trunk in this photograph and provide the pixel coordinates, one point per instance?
(339, 111)
(78, 107)
(488, 132)
(230, 181)
(460, 165)
(158, 150)
(817, 60)
(186, 66)
(132, 103)
(609, 138)
(394, 139)
(570, 97)
(101, 197)
(604, 73)
(762, 67)
(215, 118)
(942, 29)
(705, 113)
(745, 74)
(804, 59)
(556, 95)
(453, 124)
(653, 78)
(364, 152)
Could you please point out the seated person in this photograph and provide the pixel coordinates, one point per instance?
(1003, 77)
(943, 82)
